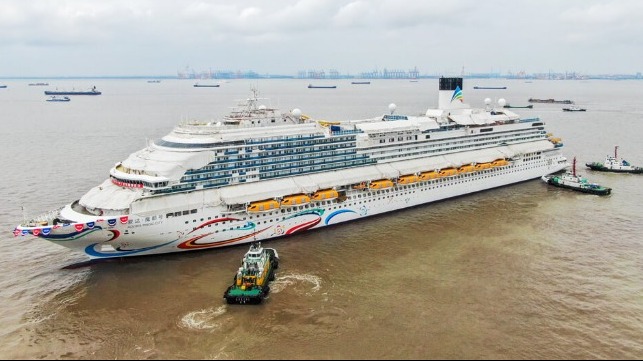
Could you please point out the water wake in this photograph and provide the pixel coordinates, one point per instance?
(205, 319)
(281, 282)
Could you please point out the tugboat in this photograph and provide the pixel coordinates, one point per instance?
(576, 182)
(251, 281)
(574, 108)
(612, 164)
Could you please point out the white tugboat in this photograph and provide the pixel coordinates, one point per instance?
(613, 164)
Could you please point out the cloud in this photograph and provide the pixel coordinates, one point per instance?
(287, 35)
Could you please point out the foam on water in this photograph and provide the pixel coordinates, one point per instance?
(281, 282)
(204, 319)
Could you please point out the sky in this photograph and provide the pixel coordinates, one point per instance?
(41, 38)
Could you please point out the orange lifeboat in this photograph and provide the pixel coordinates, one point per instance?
(381, 184)
(324, 194)
(447, 172)
(295, 200)
(482, 166)
(263, 206)
(466, 168)
(360, 186)
(407, 179)
(499, 163)
(429, 175)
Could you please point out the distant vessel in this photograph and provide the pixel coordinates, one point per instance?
(530, 106)
(38, 84)
(361, 82)
(55, 98)
(153, 81)
(489, 87)
(93, 91)
(197, 85)
(571, 180)
(574, 108)
(612, 164)
(310, 86)
(251, 281)
(2, 86)
(533, 100)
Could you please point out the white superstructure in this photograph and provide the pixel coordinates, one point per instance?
(259, 174)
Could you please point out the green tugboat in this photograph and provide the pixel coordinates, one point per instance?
(251, 281)
(571, 180)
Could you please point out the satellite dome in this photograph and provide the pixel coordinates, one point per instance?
(262, 107)
(296, 112)
(392, 107)
(502, 102)
(487, 101)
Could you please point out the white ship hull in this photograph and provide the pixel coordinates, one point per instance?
(212, 227)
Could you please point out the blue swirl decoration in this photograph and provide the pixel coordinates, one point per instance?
(338, 212)
(94, 253)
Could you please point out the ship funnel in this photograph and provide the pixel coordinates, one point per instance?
(450, 95)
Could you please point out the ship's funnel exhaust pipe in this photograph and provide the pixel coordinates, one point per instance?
(450, 94)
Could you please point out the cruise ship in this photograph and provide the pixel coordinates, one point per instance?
(259, 174)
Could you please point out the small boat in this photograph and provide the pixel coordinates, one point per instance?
(263, 206)
(489, 87)
(530, 106)
(483, 166)
(55, 98)
(574, 108)
(324, 194)
(613, 164)
(533, 100)
(499, 163)
(447, 172)
(256, 272)
(310, 86)
(408, 179)
(93, 91)
(197, 85)
(429, 175)
(381, 184)
(295, 200)
(467, 168)
(361, 82)
(571, 180)
(153, 81)
(38, 84)
(2, 86)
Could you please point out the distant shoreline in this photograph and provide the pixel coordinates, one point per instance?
(277, 76)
